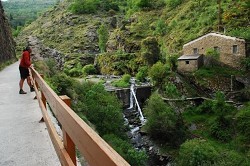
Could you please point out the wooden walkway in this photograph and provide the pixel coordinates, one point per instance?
(23, 141)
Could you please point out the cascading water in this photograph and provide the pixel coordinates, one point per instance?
(132, 98)
(139, 139)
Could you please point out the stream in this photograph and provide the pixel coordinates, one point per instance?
(135, 119)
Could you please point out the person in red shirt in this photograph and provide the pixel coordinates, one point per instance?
(25, 64)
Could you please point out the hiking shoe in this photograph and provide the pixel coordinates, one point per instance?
(22, 92)
(32, 89)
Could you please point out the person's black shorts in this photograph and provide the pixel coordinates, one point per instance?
(24, 72)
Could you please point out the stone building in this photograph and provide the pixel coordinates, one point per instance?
(231, 49)
(189, 63)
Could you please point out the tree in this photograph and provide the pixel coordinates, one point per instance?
(103, 35)
(157, 73)
(163, 124)
(102, 114)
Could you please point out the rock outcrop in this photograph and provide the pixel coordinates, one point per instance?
(7, 44)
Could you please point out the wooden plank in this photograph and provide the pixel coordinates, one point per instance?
(95, 150)
(67, 141)
(58, 145)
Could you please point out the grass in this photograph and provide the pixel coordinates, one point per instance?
(210, 72)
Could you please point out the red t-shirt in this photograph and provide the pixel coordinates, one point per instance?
(25, 60)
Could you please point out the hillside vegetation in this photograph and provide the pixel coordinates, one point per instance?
(21, 12)
(144, 38)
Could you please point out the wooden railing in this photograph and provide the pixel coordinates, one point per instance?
(76, 133)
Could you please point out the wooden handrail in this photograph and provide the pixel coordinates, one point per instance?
(94, 149)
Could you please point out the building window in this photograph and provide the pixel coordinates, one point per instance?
(235, 49)
(187, 62)
(217, 49)
(195, 50)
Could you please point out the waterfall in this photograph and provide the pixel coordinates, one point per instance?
(132, 98)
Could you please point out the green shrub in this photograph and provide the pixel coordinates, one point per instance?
(246, 63)
(212, 57)
(221, 129)
(197, 152)
(143, 3)
(126, 150)
(158, 73)
(163, 124)
(89, 69)
(124, 82)
(17, 31)
(76, 71)
(220, 107)
(142, 74)
(172, 62)
(103, 36)
(171, 90)
(84, 6)
(161, 27)
(243, 121)
(101, 114)
(62, 84)
(173, 3)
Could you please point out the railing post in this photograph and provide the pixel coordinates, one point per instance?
(43, 97)
(67, 141)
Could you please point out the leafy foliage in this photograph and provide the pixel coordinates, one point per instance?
(161, 27)
(117, 63)
(203, 152)
(158, 73)
(76, 71)
(246, 63)
(171, 90)
(163, 123)
(103, 36)
(243, 122)
(89, 69)
(173, 3)
(25, 11)
(221, 129)
(92, 6)
(62, 84)
(197, 152)
(84, 6)
(124, 82)
(103, 113)
(126, 150)
(142, 74)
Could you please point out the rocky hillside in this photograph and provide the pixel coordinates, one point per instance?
(7, 44)
(163, 25)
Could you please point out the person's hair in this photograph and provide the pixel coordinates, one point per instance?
(26, 48)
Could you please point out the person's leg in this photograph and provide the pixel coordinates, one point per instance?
(30, 84)
(21, 86)
(29, 81)
(21, 83)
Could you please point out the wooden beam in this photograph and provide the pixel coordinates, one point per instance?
(95, 150)
(67, 141)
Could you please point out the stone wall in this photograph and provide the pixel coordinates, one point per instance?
(225, 45)
(183, 67)
(7, 44)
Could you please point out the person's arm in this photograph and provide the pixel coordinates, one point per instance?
(26, 57)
